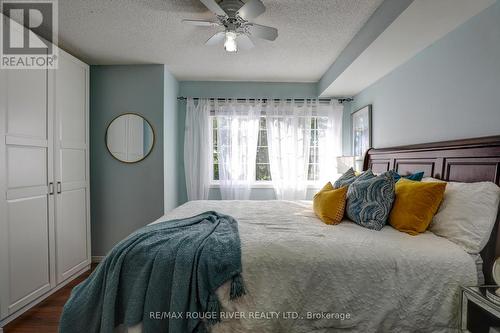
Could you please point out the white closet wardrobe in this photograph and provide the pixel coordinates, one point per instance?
(44, 182)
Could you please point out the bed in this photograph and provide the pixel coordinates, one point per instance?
(304, 276)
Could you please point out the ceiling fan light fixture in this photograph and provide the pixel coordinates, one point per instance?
(230, 44)
(232, 18)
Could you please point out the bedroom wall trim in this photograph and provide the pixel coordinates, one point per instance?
(466, 160)
(97, 259)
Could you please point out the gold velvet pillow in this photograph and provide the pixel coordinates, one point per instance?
(415, 205)
(329, 204)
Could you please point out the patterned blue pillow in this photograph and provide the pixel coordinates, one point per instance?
(368, 174)
(346, 179)
(350, 177)
(369, 201)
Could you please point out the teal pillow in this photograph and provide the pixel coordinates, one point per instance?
(369, 201)
(413, 176)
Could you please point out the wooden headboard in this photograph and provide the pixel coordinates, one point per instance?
(469, 160)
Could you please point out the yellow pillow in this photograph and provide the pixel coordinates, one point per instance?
(329, 204)
(415, 205)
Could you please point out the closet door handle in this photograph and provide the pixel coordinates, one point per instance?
(59, 189)
(51, 188)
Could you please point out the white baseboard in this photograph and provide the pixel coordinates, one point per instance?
(95, 260)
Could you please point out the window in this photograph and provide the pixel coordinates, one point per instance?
(215, 156)
(313, 172)
(262, 168)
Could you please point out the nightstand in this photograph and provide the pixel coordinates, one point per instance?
(479, 313)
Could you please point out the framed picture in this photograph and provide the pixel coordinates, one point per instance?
(361, 130)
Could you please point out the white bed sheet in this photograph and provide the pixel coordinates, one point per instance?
(292, 262)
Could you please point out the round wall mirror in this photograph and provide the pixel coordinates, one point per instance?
(130, 138)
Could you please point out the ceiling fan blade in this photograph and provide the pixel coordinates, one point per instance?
(244, 42)
(262, 31)
(216, 39)
(251, 10)
(214, 7)
(201, 23)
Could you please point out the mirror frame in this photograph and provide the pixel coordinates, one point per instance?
(152, 144)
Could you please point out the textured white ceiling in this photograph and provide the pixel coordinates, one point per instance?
(312, 33)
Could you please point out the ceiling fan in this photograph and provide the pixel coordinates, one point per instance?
(234, 16)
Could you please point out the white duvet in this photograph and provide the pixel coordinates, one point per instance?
(336, 278)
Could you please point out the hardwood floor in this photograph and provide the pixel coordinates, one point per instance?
(44, 318)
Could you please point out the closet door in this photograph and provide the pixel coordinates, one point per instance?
(26, 175)
(71, 167)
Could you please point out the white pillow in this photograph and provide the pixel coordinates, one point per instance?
(467, 214)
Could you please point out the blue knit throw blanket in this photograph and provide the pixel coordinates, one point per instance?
(164, 275)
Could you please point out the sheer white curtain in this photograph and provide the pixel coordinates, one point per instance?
(329, 139)
(237, 136)
(197, 145)
(288, 135)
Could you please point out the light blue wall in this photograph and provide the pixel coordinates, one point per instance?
(228, 89)
(235, 90)
(171, 130)
(450, 90)
(125, 197)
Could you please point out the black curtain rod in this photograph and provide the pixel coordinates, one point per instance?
(340, 99)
